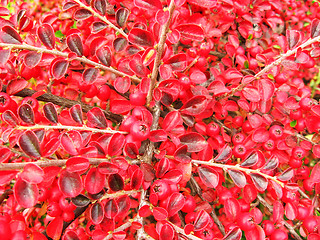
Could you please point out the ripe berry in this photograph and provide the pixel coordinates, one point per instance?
(140, 131)
(268, 227)
(189, 205)
(66, 204)
(68, 216)
(311, 224)
(269, 145)
(239, 151)
(104, 93)
(276, 132)
(245, 221)
(54, 209)
(238, 138)
(295, 163)
(298, 153)
(279, 234)
(138, 98)
(213, 129)
(161, 188)
(206, 234)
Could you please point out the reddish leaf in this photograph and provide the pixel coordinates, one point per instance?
(191, 31)
(76, 113)
(29, 144)
(94, 181)
(108, 168)
(249, 193)
(272, 163)
(115, 182)
(70, 184)
(174, 176)
(204, 3)
(81, 201)
(291, 211)
(289, 64)
(111, 208)
(286, 175)
(59, 68)
(50, 112)
(278, 211)
(90, 75)
(209, 176)
(182, 155)
(115, 144)
(96, 118)
(141, 37)
(46, 35)
(251, 160)
(251, 93)
(77, 164)
(238, 178)
(16, 85)
(136, 179)
(195, 105)
(150, 5)
(162, 16)
(4, 11)
(166, 232)
(74, 43)
(5, 154)
(104, 55)
(122, 84)
(32, 174)
(234, 234)
(171, 120)
(120, 44)
(175, 203)
(136, 65)
(202, 220)
(315, 173)
(224, 154)
(194, 141)
(160, 213)
(25, 193)
(82, 14)
(266, 88)
(260, 182)
(232, 208)
(4, 56)
(9, 117)
(293, 38)
(26, 113)
(32, 59)
(158, 135)
(10, 35)
(315, 28)
(72, 142)
(198, 77)
(100, 6)
(98, 26)
(54, 228)
(131, 150)
(122, 16)
(178, 62)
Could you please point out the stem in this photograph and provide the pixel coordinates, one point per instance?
(102, 18)
(271, 65)
(118, 194)
(286, 224)
(160, 48)
(237, 167)
(65, 55)
(59, 126)
(61, 101)
(181, 231)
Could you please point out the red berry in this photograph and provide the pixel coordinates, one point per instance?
(213, 129)
(161, 188)
(268, 227)
(140, 131)
(138, 98)
(189, 205)
(279, 234)
(54, 209)
(276, 132)
(104, 93)
(68, 216)
(245, 221)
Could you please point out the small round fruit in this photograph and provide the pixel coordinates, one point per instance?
(161, 188)
(140, 130)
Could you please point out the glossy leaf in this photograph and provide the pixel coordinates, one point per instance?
(141, 37)
(173, 176)
(70, 184)
(286, 175)
(59, 68)
(160, 213)
(97, 213)
(166, 232)
(234, 234)
(224, 154)
(232, 208)
(238, 178)
(178, 62)
(260, 182)
(175, 203)
(46, 35)
(10, 35)
(115, 144)
(136, 179)
(150, 5)
(191, 31)
(122, 15)
(104, 55)
(115, 182)
(32, 174)
(54, 228)
(82, 14)
(315, 28)
(171, 120)
(111, 208)
(26, 194)
(209, 176)
(278, 211)
(293, 38)
(74, 43)
(72, 142)
(182, 155)
(266, 88)
(77, 164)
(315, 173)
(251, 93)
(29, 144)
(251, 160)
(76, 113)
(124, 204)
(272, 163)
(195, 105)
(50, 112)
(32, 59)
(100, 6)
(291, 211)
(120, 44)
(163, 167)
(108, 168)
(26, 113)
(81, 200)
(96, 118)
(203, 3)
(9, 117)
(122, 84)
(90, 75)
(202, 220)
(16, 85)
(94, 181)
(5, 154)
(158, 136)
(194, 141)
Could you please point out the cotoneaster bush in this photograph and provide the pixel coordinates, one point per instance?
(159, 119)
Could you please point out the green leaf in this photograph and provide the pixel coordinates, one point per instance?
(306, 24)
(250, 36)
(270, 76)
(276, 46)
(246, 64)
(293, 123)
(59, 34)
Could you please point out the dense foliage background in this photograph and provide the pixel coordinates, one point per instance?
(159, 119)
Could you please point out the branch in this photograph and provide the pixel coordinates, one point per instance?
(5, 195)
(287, 225)
(160, 48)
(82, 59)
(181, 231)
(61, 101)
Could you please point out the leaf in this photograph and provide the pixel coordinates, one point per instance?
(171, 120)
(272, 163)
(72, 142)
(54, 228)
(315, 174)
(251, 160)
(224, 154)
(120, 44)
(291, 211)
(82, 14)
(158, 135)
(104, 55)
(266, 89)
(29, 144)
(10, 35)
(26, 113)
(121, 17)
(46, 35)
(194, 141)
(173, 176)
(76, 113)
(94, 181)
(50, 147)
(232, 208)
(286, 175)
(278, 211)
(234, 234)
(96, 118)
(75, 44)
(204, 3)
(122, 84)
(100, 6)
(150, 5)
(136, 65)
(178, 62)
(160, 213)
(166, 232)
(195, 105)
(59, 68)
(315, 28)
(96, 213)
(108, 168)
(50, 112)
(16, 85)
(90, 75)
(115, 182)
(202, 220)
(77, 164)
(141, 37)
(32, 173)
(98, 26)
(70, 184)
(293, 38)
(115, 144)
(175, 203)
(191, 31)
(26, 194)
(81, 200)
(238, 178)
(111, 208)
(251, 93)
(259, 181)
(208, 176)
(289, 64)
(182, 155)
(136, 179)
(4, 56)
(32, 59)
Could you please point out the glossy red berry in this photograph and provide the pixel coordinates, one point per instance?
(189, 205)
(268, 227)
(161, 188)
(279, 234)
(140, 130)
(276, 132)
(213, 129)
(54, 209)
(104, 93)
(245, 221)
(138, 98)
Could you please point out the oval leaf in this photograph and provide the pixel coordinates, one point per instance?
(29, 144)
(46, 35)
(25, 193)
(70, 184)
(209, 176)
(194, 141)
